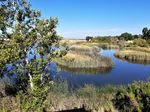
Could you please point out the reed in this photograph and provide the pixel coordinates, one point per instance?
(75, 60)
(72, 42)
(133, 55)
(60, 98)
(142, 49)
(89, 97)
(108, 46)
(84, 48)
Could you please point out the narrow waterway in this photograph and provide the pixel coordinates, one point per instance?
(122, 73)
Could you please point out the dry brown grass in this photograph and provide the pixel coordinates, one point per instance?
(77, 57)
(71, 42)
(142, 49)
(60, 98)
(75, 60)
(134, 55)
(94, 99)
(83, 54)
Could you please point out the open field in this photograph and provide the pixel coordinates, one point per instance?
(90, 44)
(71, 42)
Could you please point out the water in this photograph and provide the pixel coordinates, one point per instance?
(122, 73)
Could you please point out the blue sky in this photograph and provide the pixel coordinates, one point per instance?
(79, 18)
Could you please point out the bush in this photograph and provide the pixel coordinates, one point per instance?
(89, 38)
(140, 42)
(88, 91)
(104, 39)
(135, 98)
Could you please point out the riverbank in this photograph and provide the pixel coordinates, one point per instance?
(61, 98)
(134, 55)
(88, 99)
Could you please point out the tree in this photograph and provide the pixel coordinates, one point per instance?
(146, 33)
(89, 38)
(126, 36)
(16, 24)
(136, 36)
(27, 32)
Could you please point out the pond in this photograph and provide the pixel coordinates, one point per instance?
(122, 73)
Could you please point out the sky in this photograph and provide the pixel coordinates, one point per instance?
(81, 18)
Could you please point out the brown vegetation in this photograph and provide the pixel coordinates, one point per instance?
(133, 55)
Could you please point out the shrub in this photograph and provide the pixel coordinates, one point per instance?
(89, 38)
(88, 91)
(140, 42)
(135, 98)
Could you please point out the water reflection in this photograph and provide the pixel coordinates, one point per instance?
(88, 71)
(135, 61)
(51, 70)
(123, 72)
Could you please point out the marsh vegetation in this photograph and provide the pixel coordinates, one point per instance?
(104, 82)
(84, 56)
(133, 55)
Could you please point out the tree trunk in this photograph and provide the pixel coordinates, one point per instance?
(30, 77)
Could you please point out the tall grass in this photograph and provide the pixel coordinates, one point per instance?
(74, 60)
(84, 48)
(142, 49)
(132, 55)
(60, 97)
(89, 96)
(84, 56)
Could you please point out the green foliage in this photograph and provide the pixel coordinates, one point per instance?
(89, 38)
(146, 33)
(88, 91)
(126, 36)
(140, 42)
(19, 18)
(27, 32)
(135, 98)
(101, 39)
(34, 100)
